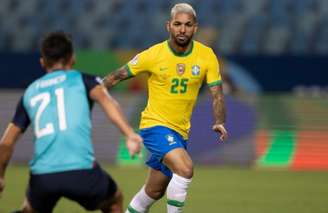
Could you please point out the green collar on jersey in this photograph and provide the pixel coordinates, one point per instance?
(184, 54)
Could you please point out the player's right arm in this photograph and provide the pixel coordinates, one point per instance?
(115, 114)
(7, 143)
(116, 76)
(140, 63)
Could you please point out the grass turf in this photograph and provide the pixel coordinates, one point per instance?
(214, 190)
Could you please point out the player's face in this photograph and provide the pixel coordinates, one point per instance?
(182, 28)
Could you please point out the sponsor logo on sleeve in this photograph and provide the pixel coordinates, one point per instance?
(134, 60)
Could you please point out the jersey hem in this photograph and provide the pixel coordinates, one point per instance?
(40, 171)
(183, 134)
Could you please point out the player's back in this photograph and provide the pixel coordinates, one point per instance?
(58, 107)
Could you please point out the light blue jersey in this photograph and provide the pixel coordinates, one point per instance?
(58, 107)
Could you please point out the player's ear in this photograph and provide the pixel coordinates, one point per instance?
(168, 26)
(73, 60)
(196, 28)
(42, 62)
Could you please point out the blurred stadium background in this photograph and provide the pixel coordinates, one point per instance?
(274, 60)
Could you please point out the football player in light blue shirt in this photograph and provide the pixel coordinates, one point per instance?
(58, 107)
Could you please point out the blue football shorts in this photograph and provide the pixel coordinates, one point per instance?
(160, 140)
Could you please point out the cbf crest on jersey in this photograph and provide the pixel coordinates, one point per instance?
(195, 70)
(181, 69)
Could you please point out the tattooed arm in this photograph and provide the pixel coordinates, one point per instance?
(219, 111)
(116, 76)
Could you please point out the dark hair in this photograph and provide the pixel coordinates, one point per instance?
(56, 47)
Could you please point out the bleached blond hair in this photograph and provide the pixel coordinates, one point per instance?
(183, 8)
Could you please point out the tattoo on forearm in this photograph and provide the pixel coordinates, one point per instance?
(114, 77)
(219, 109)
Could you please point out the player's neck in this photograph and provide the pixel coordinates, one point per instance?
(58, 66)
(179, 49)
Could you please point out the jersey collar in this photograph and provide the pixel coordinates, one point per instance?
(184, 54)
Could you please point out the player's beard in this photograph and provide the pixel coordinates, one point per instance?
(181, 43)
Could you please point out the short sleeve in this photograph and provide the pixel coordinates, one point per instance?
(140, 63)
(213, 76)
(21, 118)
(90, 81)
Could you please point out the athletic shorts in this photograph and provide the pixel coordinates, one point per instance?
(160, 140)
(88, 187)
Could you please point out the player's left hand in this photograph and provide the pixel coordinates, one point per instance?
(220, 129)
(134, 144)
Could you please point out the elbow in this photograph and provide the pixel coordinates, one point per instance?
(219, 98)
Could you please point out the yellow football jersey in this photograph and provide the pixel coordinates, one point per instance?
(174, 82)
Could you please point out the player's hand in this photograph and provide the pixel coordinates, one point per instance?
(134, 144)
(220, 129)
(2, 185)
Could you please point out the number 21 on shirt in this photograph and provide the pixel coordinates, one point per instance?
(44, 98)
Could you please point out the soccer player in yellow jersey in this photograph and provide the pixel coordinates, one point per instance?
(176, 67)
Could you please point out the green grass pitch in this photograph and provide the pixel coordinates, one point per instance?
(213, 190)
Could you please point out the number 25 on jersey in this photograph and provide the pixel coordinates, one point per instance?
(179, 85)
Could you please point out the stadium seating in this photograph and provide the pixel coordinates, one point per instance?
(244, 27)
